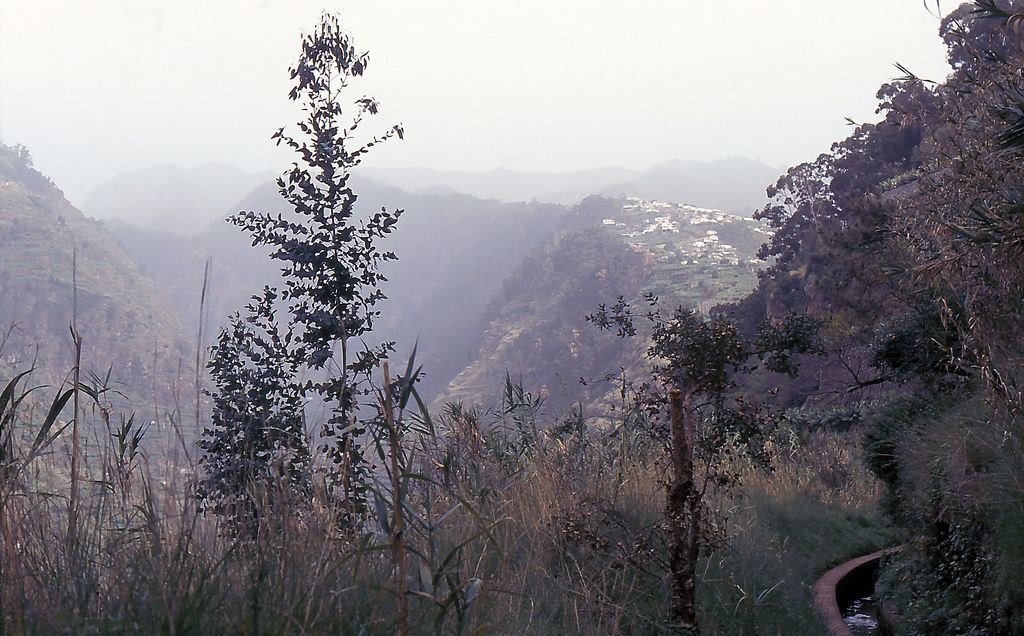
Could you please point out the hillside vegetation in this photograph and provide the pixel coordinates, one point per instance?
(456, 251)
(536, 327)
(906, 239)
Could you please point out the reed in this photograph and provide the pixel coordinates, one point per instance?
(485, 522)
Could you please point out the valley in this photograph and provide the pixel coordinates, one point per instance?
(337, 386)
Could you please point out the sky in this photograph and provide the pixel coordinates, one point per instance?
(101, 87)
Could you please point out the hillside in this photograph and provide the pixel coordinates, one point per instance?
(905, 241)
(454, 253)
(607, 248)
(474, 273)
(123, 322)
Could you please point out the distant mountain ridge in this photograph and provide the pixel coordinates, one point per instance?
(458, 254)
(183, 201)
(735, 185)
(454, 252)
(172, 199)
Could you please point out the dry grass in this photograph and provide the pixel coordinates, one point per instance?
(510, 531)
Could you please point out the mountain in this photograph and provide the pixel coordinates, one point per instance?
(737, 185)
(172, 199)
(58, 266)
(454, 253)
(177, 264)
(606, 248)
(472, 270)
(565, 188)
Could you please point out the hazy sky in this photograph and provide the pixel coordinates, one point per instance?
(99, 87)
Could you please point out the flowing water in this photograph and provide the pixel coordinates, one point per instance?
(861, 616)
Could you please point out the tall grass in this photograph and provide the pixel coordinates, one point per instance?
(509, 526)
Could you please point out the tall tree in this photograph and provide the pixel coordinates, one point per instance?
(330, 260)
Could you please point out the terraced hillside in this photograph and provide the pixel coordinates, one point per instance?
(606, 248)
(52, 258)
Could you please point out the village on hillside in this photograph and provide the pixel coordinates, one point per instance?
(698, 257)
(682, 234)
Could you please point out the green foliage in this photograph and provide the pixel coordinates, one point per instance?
(953, 482)
(947, 583)
(888, 430)
(701, 357)
(838, 419)
(915, 345)
(694, 360)
(756, 585)
(907, 238)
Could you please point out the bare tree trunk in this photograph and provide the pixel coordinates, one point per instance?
(683, 512)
